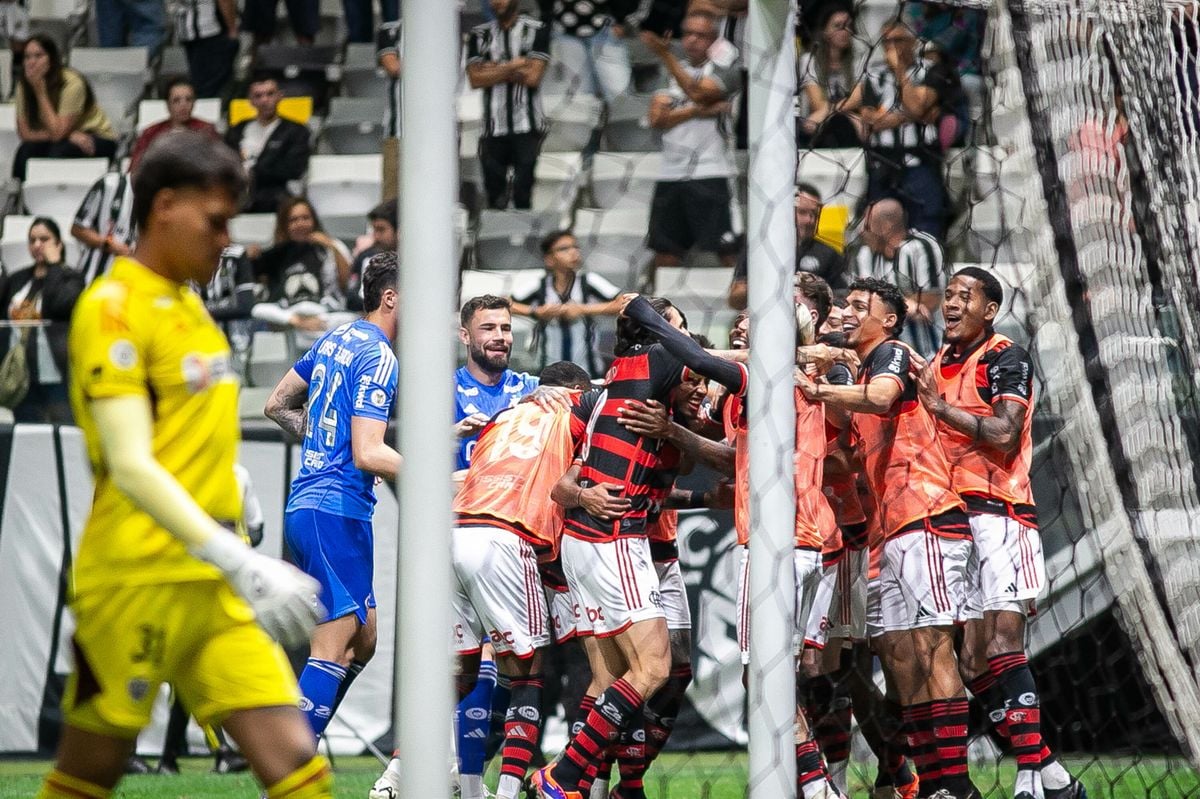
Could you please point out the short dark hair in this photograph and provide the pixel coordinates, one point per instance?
(630, 334)
(814, 288)
(382, 272)
(484, 302)
(550, 239)
(180, 81)
(992, 289)
(701, 339)
(887, 293)
(810, 190)
(262, 77)
(564, 374)
(384, 212)
(184, 159)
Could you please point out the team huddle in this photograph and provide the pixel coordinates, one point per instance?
(916, 536)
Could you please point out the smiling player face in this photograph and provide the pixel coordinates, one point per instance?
(966, 310)
(865, 320)
(489, 339)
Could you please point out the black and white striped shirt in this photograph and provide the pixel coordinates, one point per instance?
(558, 339)
(197, 19)
(510, 108)
(917, 266)
(390, 39)
(586, 18)
(107, 209)
(911, 143)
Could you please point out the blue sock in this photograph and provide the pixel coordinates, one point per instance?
(319, 683)
(500, 698)
(473, 718)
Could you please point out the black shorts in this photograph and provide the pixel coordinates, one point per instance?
(691, 213)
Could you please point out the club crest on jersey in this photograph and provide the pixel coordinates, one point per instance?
(202, 371)
(122, 354)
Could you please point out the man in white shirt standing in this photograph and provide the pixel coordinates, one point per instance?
(691, 199)
(274, 150)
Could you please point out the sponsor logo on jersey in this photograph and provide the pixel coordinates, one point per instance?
(468, 392)
(122, 354)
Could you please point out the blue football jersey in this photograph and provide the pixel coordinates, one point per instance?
(471, 396)
(350, 371)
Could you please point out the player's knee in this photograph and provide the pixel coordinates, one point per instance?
(654, 671)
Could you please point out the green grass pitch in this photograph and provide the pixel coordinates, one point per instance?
(707, 775)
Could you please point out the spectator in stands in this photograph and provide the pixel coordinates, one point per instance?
(57, 113)
(14, 29)
(360, 15)
(303, 275)
(812, 256)
(957, 33)
(132, 23)
(229, 298)
(181, 101)
(208, 31)
(507, 58)
(566, 302)
(274, 150)
(383, 219)
(45, 292)
(826, 75)
(304, 17)
(901, 109)
(590, 39)
(104, 224)
(389, 51)
(910, 259)
(691, 198)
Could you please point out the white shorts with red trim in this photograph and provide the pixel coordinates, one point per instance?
(498, 593)
(614, 583)
(848, 610)
(923, 582)
(1008, 572)
(674, 595)
(818, 628)
(808, 575)
(564, 615)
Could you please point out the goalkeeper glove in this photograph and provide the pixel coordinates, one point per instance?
(284, 598)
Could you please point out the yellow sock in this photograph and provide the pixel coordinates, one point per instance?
(313, 780)
(210, 737)
(63, 786)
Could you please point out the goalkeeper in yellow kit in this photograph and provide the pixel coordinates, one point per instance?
(162, 589)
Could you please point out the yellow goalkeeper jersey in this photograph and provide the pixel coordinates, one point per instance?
(134, 332)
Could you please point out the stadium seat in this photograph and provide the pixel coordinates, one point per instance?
(56, 186)
(614, 242)
(342, 189)
(508, 239)
(118, 76)
(9, 140)
(361, 75)
(301, 71)
(470, 120)
(172, 64)
(699, 293)
(14, 242)
(250, 229)
(151, 112)
(297, 109)
(6, 77)
(64, 20)
(840, 175)
(499, 282)
(571, 121)
(627, 129)
(624, 180)
(558, 177)
(354, 126)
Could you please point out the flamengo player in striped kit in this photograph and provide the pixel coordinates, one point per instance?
(607, 563)
(979, 388)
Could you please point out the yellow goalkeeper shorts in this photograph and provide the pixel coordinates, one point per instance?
(200, 636)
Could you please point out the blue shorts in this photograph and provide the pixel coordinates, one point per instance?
(340, 554)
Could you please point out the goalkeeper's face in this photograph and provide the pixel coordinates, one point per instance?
(190, 228)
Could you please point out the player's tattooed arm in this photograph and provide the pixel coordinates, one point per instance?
(286, 405)
(597, 500)
(1001, 430)
(648, 419)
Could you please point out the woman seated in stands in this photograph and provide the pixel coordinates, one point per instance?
(181, 101)
(302, 276)
(44, 292)
(826, 76)
(57, 113)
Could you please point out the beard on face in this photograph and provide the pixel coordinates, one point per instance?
(489, 362)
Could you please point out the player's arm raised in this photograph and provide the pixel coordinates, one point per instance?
(682, 346)
(286, 405)
(284, 599)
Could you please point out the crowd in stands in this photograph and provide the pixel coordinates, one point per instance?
(901, 93)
